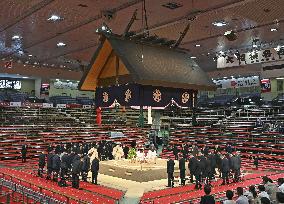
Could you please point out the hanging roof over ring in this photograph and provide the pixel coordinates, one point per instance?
(120, 61)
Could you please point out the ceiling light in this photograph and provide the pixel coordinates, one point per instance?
(220, 23)
(193, 57)
(103, 27)
(54, 18)
(254, 46)
(280, 78)
(273, 29)
(197, 45)
(16, 37)
(24, 77)
(61, 44)
(30, 55)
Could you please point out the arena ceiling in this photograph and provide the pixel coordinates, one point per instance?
(29, 35)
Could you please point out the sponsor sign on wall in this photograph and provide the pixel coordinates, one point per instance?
(237, 82)
(265, 85)
(10, 84)
(257, 56)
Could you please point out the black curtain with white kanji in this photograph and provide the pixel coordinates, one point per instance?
(143, 95)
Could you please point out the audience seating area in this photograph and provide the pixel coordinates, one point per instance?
(48, 190)
(13, 96)
(187, 194)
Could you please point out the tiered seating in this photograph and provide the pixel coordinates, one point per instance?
(85, 100)
(63, 100)
(38, 138)
(2, 96)
(89, 194)
(187, 194)
(268, 145)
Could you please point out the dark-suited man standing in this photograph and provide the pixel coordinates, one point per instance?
(182, 171)
(170, 171)
(192, 165)
(24, 153)
(64, 166)
(175, 152)
(76, 170)
(49, 165)
(225, 168)
(56, 166)
(95, 167)
(41, 164)
(85, 167)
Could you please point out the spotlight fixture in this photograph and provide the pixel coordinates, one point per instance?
(220, 23)
(54, 18)
(61, 44)
(193, 57)
(30, 55)
(230, 35)
(104, 28)
(197, 45)
(273, 29)
(16, 37)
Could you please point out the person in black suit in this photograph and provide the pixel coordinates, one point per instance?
(24, 153)
(203, 167)
(49, 165)
(208, 171)
(185, 152)
(198, 174)
(207, 198)
(41, 164)
(213, 164)
(76, 170)
(95, 167)
(125, 151)
(64, 166)
(205, 150)
(192, 165)
(56, 166)
(182, 171)
(170, 171)
(225, 168)
(195, 150)
(175, 152)
(85, 167)
(237, 167)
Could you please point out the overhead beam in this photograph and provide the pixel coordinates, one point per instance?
(29, 12)
(78, 25)
(133, 18)
(190, 15)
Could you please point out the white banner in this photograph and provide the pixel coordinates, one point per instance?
(61, 106)
(87, 106)
(47, 105)
(237, 82)
(260, 56)
(15, 104)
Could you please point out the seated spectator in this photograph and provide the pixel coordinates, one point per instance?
(229, 195)
(241, 198)
(262, 192)
(270, 188)
(207, 198)
(280, 197)
(264, 200)
(251, 194)
(281, 185)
